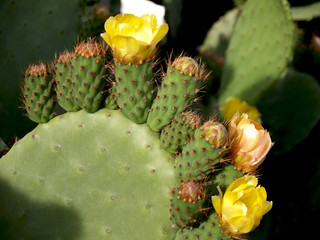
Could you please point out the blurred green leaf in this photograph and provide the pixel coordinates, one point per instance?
(259, 50)
(213, 50)
(30, 31)
(306, 13)
(290, 109)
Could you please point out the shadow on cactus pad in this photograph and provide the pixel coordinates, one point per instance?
(23, 217)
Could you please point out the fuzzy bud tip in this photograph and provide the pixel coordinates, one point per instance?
(215, 133)
(190, 191)
(37, 70)
(186, 65)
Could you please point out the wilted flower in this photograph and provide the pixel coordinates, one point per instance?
(234, 105)
(242, 206)
(133, 39)
(250, 143)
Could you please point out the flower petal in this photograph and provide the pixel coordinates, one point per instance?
(145, 33)
(159, 33)
(129, 45)
(107, 38)
(241, 225)
(133, 38)
(217, 202)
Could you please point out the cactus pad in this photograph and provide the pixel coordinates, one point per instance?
(134, 89)
(64, 85)
(76, 163)
(207, 230)
(88, 74)
(259, 50)
(178, 90)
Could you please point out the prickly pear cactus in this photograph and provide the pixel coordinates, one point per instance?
(104, 173)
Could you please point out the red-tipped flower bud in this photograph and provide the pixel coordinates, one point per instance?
(215, 133)
(192, 119)
(90, 48)
(190, 192)
(37, 70)
(65, 57)
(187, 66)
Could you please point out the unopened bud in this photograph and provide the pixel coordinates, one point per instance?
(65, 57)
(192, 119)
(190, 191)
(186, 65)
(215, 133)
(37, 70)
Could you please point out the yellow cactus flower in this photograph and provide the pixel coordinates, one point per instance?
(250, 143)
(242, 206)
(234, 105)
(133, 39)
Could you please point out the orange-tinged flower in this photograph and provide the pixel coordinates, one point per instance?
(250, 143)
(242, 206)
(133, 39)
(234, 105)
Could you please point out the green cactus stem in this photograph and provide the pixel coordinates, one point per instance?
(179, 87)
(207, 230)
(88, 74)
(175, 135)
(63, 71)
(134, 85)
(38, 93)
(187, 204)
(222, 179)
(111, 100)
(200, 156)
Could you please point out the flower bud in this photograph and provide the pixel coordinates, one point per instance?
(192, 119)
(37, 70)
(249, 141)
(242, 206)
(65, 57)
(190, 191)
(186, 65)
(90, 48)
(215, 133)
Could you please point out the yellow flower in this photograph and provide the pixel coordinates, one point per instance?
(133, 39)
(250, 143)
(234, 105)
(242, 206)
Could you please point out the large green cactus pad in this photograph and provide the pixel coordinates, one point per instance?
(260, 48)
(70, 178)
